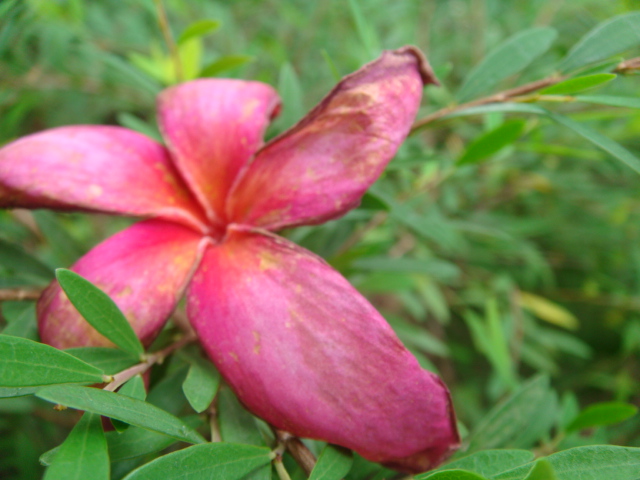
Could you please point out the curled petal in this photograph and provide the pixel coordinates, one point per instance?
(320, 168)
(213, 127)
(143, 268)
(99, 168)
(306, 352)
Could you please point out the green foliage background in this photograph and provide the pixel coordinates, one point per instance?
(510, 263)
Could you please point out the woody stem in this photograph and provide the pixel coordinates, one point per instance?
(168, 38)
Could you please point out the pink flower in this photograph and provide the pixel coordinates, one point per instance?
(299, 345)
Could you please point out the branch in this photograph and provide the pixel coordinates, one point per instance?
(122, 377)
(30, 293)
(168, 38)
(513, 94)
(298, 450)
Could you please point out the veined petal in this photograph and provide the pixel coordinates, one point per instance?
(320, 168)
(213, 127)
(307, 353)
(99, 168)
(143, 268)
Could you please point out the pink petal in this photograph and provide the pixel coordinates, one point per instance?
(213, 127)
(307, 353)
(103, 168)
(320, 168)
(143, 268)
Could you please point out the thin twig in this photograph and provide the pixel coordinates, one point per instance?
(168, 38)
(512, 94)
(31, 293)
(158, 357)
(298, 450)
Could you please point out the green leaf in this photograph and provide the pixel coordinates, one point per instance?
(223, 64)
(99, 310)
(509, 422)
(134, 388)
(83, 454)
(129, 410)
(198, 29)
(291, 92)
(333, 464)
(625, 102)
(366, 32)
(65, 247)
(109, 360)
(507, 59)
(542, 470)
(25, 363)
(137, 442)
(15, 258)
(602, 414)
(8, 392)
(451, 475)
(609, 38)
(213, 460)
(492, 142)
(21, 317)
(236, 424)
(578, 84)
(134, 123)
(599, 462)
(608, 145)
(201, 384)
(491, 462)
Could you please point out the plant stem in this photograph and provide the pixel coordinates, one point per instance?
(157, 357)
(168, 38)
(298, 450)
(31, 293)
(513, 94)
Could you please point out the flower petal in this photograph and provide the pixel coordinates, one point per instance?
(306, 352)
(213, 127)
(99, 168)
(143, 268)
(320, 168)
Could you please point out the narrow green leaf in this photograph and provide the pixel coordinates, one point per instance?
(596, 462)
(198, 29)
(602, 414)
(542, 470)
(607, 39)
(625, 102)
(25, 363)
(236, 424)
(15, 258)
(213, 460)
(608, 145)
(21, 317)
(134, 123)
(223, 64)
(109, 360)
(291, 92)
(492, 142)
(578, 84)
(8, 392)
(65, 247)
(507, 59)
(99, 310)
(491, 462)
(83, 454)
(333, 464)
(332, 66)
(367, 34)
(129, 410)
(508, 420)
(201, 384)
(137, 442)
(134, 388)
(451, 475)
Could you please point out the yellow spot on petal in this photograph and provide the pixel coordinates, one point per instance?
(233, 355)
(257, 346)
(95, 190)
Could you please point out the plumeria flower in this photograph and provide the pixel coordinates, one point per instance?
(299, 345)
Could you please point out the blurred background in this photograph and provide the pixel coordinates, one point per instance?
(491, 270)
